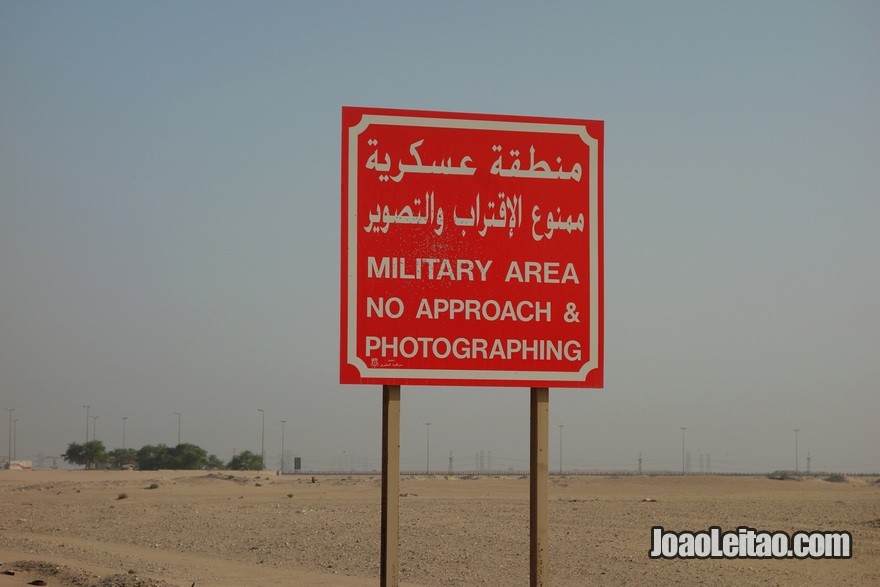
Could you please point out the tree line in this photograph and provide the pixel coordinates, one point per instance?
(93, 455)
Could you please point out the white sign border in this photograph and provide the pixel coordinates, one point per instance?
(351, 255)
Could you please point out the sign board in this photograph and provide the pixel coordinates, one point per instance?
(472, 250)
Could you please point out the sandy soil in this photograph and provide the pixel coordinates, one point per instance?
(91, 528)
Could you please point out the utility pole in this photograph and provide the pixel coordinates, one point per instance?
(14, 438)
(683, 428)
(178, 428)
(796, 464)
(87, 422)
(124, 418)
(263, 442)
(94, 427)
(282, 446)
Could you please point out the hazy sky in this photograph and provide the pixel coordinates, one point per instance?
(170, 224)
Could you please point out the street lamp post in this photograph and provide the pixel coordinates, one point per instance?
(561, 426)
(94, 427)
(14, 438)
(178, 428)
(427, 448)
(124, 418)
(263, 442)
(282, 446)
(796, 464)
(87, 422)
(10, 410)
(683, 428)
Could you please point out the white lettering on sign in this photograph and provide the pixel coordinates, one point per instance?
(548, 272)
(426, 347)
(437, 269)
(536, 169)
(490, 310)
(393, 307)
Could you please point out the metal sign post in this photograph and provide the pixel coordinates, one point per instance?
(390, 485)
(538, 487)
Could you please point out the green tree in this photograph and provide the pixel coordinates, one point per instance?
(152, 458)
(89, 454)
(122, 456)
(186, 456)
(214, 462)
(246, 461)
(181, 457)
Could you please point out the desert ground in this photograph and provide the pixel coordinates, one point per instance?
(242, 529)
